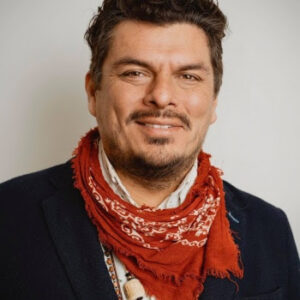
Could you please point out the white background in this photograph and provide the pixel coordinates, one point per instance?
(43, 60)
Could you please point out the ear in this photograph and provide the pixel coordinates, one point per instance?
(213, 117)
(91, 93)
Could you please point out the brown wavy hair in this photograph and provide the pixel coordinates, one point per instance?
(206, 14)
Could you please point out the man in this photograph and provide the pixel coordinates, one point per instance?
(139, 212)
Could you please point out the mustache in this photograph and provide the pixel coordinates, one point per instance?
(136, 115)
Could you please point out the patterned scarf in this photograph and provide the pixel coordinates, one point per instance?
(171, 251)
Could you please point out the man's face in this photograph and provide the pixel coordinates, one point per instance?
(156, 98)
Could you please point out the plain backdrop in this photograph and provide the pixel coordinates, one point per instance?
(43, 109)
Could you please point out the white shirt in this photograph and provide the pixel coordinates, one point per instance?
(173, 200)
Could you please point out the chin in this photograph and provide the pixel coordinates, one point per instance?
(158, 154)
(156, 166)
(157, 159)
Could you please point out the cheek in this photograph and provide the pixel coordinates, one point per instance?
(198, 107)
(122, 100)
(201, 110)
(112, 110)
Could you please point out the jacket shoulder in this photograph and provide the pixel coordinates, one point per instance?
(242, 200)
(38, 184)
(267, 245)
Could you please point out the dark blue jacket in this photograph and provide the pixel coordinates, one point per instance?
(50, 250)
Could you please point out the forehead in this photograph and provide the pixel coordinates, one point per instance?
(174, 43)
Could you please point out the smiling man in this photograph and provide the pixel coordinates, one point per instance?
(139, 212)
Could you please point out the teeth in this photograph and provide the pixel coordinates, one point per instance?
(158, 126)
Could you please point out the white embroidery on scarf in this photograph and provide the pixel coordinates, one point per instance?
(178, 229)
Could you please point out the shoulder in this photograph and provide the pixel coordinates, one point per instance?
(260, 223)
(266, 243)
(250, 204)
(259, 220)
(34, 186)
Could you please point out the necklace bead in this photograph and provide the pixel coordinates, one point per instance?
(134, 290)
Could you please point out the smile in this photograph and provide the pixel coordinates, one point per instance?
(163, 124)
(158, 126)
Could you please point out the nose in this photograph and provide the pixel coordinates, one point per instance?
(160, 93)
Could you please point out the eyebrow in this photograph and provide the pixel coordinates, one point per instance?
(132, 61)
(199, 66)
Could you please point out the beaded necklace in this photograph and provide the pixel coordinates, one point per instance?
(133, 288)
(112, 272)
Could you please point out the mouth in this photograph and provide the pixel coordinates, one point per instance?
(159, 129)
(159, 123)
(161, 120)
(156, 126)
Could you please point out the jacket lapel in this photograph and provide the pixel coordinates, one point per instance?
(77, 245)
(220, 289)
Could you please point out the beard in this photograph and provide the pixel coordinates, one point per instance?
(157, 170)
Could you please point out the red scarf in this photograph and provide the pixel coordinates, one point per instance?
(171, 251)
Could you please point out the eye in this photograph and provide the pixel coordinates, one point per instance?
(190, 77)
(132, 74)
(135, 76)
